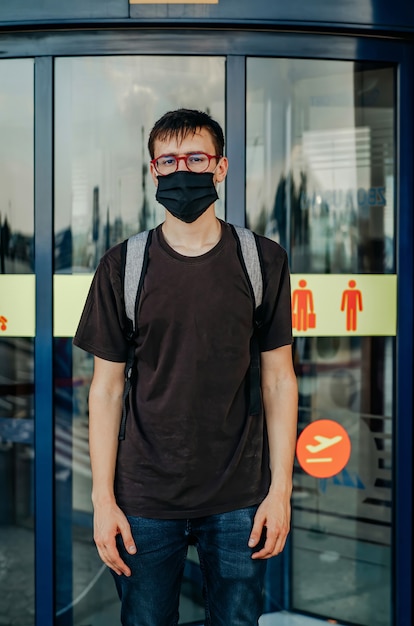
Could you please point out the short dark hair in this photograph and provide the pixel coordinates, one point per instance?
(182, 122)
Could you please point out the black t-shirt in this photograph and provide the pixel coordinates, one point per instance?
(190, 449)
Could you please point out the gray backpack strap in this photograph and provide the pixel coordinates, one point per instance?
(251, 259)
(135, 265)
(249, 253)
(134, 262)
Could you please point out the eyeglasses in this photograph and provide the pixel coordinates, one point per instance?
(195, 162)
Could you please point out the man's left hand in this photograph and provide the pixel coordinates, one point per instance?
(273, 517)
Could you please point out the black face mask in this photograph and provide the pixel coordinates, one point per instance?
(186, 195)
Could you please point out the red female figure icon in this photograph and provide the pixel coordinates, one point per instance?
(351, 303)
(303, 316)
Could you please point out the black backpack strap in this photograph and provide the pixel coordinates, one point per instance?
(129, 369)
(255, 376)
(249, 253)
(135, 262)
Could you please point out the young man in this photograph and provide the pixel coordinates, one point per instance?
(194, 467)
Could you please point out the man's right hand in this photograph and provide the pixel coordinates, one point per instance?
(110, 521)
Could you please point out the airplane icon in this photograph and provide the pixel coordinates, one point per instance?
(323, 448)
(324, 442)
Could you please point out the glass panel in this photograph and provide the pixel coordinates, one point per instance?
(320, 162)
(16, 353)
(105, 108)
(320, 180)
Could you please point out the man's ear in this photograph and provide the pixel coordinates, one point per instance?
(221, 170)
(154, 174)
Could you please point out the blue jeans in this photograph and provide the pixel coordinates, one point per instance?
(232, 580)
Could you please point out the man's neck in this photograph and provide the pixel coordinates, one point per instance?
(192, 239)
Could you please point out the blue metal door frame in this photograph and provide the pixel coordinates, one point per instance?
(44, 422)
(236, 46)
(403, 437)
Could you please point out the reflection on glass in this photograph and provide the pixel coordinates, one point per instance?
(105, 108)
(342, 525)
(16, 167)
(320, 180)
(320, 162)
(16, 354)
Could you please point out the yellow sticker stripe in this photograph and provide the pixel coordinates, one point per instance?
(17, 305)
(322, 305)
(344, 304)
(69, 296)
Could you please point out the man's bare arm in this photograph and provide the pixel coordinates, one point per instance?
(105, 409)
(280, 401)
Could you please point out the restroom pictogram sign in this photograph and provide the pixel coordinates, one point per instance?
(303, 315)
(351, 303)
(323, 448)
(336, 305)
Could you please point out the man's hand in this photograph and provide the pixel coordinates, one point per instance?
(110, 521)
(280, 400)
(273, 516)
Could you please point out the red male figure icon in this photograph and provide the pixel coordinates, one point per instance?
(351, 303)
(303, 316)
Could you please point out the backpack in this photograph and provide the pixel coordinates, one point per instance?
(135, 262)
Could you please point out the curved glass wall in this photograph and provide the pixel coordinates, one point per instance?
(104, 110)
(320, 180)
(16, 343)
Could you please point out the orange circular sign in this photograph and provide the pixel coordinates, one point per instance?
(323, 448)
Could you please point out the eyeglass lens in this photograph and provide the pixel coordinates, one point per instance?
(195, 163)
